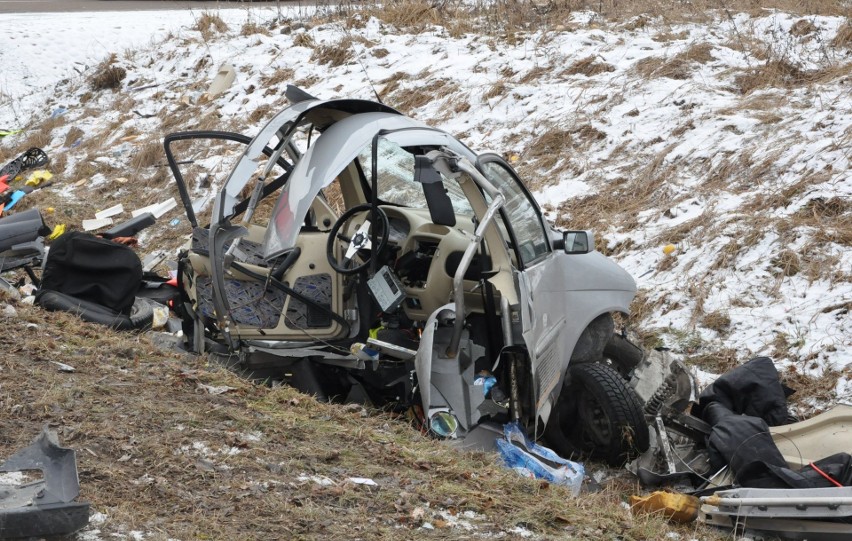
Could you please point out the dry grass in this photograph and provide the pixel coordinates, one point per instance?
(251, 28)
(547, 148)
(335, 54)
(534, 74)
(159, 453)
(260, 113)
(409, 99)
(150, 153)
(279, 77)
(391, 84)
(303, 39)
(497, 89)
(716, 362)
(589, 66)
(209, 24)
(843, 38)
(812, 387)
(716, 321)
(107, 75)
(679, 66)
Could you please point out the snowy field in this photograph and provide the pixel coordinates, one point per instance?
(653, 103)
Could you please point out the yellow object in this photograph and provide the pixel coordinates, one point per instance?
(50, 210)
(57, 232)
(37, 177)
(676, 507)
(514, 158)
(668, 249)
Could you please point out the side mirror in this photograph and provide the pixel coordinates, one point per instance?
(578, 242)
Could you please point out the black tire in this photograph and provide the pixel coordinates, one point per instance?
(598, 416)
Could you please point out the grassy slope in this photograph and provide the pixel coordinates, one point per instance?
(159, 453)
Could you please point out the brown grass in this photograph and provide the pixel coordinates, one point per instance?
(146, 156)
(812, 387)
(534, 74)
(107, 75)
(413, 98)
(779, 73)
(589, 66)
(716, 321)
(679, 66)
(716, 362)
(251, 28)
(303, 39)
(260, 113)
(335, 54)
(151, 437)
(843, 38)
(279, 77)
(547, 148)
(802, 27)
(209, 24)
(497, 89)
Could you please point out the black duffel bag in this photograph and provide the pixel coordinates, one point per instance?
(92, 269)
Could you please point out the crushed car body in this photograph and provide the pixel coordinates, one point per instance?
(399, 267)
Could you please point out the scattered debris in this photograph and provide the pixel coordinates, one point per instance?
(43, 507)
(224, 79)
(535, 461)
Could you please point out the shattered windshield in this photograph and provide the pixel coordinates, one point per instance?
(396, 178)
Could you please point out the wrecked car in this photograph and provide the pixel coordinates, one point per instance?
(362, 255)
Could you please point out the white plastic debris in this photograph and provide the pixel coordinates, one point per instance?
(110, 212)
(91, 225)
(362, 481)
(157, 209)
(64, 367)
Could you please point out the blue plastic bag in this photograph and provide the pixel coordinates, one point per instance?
(535, 461)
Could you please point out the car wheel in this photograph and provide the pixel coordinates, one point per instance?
(599, 416)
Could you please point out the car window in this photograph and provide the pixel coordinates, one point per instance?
(396, 178)
(519, 213)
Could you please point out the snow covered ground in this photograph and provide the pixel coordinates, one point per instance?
(751, 184)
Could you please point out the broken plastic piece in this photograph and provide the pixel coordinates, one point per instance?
(91, 225)
(130, 227)
(57, 232)
(157, 209)
(676, 507)
(223, 80)
(110, 212)
(37, 177)
(532, 460)
(45, 507)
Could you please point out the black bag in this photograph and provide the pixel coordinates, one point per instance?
(93, 269)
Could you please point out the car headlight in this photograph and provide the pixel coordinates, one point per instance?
(444, 424)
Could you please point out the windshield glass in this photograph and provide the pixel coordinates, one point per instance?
(397, 184)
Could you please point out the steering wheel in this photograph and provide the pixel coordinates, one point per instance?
(361, 240)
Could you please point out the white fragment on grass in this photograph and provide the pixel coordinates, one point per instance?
(216, 389)
(62, 367)
(110, 212)
(157, 209)
(521, 531)
(362, 481)
(318, 479)
(92, 225)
